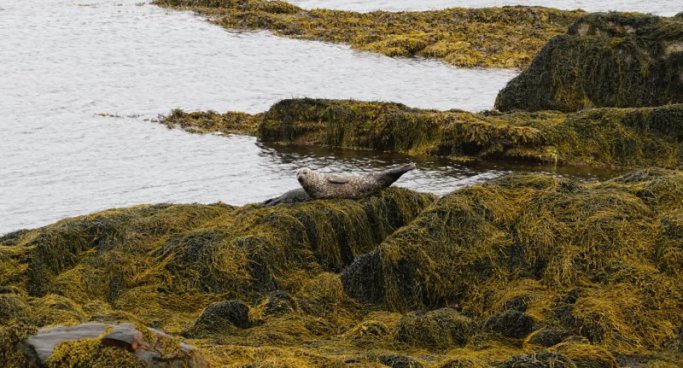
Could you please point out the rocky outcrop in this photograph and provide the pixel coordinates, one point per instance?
(604, 60)
(491, 37)
(100, 344)
(511, 251)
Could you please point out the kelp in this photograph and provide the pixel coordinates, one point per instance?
(527, 270)
(600, 137)
(212, 122)
(161, 265)
(492, 37)
(540, 252)
(605, 59)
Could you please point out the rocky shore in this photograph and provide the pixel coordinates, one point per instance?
(524, 271)
(527, 270)
(513, 34)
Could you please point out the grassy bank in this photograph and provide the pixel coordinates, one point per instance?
(608, 137)
(495, 37)
(529, 269)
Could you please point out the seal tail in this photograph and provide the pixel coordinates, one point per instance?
(391, 175)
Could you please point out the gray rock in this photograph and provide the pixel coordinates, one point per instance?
(46, 339)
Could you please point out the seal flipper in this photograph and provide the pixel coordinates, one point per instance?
(388, 177)
(337, 179)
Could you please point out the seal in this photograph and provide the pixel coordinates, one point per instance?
(321, 185)
(293, 196)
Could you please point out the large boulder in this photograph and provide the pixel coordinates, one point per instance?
(605, 60)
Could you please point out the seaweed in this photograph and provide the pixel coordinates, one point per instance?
(504, 37)
(604, 60)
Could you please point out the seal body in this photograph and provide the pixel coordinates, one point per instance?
(321, 185)
(293, 196)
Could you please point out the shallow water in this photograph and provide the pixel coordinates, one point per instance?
(658, 7)
(63, 63)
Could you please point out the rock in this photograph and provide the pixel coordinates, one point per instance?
(363, 279)
(278, 303)
(542, 360)
(85, 343)
(12, 306)
(511, 323)
(548, 336)
(605, 60)
(458, 364)
(439, 328)
(399, 361)
(46, 339)
(222, 316)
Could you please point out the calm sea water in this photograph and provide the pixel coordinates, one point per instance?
(81, 80)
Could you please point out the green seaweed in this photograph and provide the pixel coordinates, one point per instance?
(492, 37)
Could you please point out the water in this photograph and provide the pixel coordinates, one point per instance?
(658, 7)
(63, 64)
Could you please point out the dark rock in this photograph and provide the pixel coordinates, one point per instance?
(542, 360)
(548, 336)
(399, 361)
(511, 323)
(222, 316)
(440, 328)
(363, 279)
(278, 303)
(605, 60)
(12, 306)
(458, 364)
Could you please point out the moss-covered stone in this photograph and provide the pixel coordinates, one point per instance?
(475, 244)
(613, 59)
(608, 137)
(437, 329)
(491, 37)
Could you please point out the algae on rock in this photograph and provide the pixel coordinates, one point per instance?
(580, 256)
(492, 37)
(605, 60)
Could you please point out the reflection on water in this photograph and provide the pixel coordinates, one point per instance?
(658, 7)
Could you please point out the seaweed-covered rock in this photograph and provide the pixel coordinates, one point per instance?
(548, 336)
(278, 303)
(587, 356)
(478, 242)
(511, 323)
(606, 59)
(221, 317)
(542, 360)
(363, 278)
(100, 344)
(513, 33)
(399, 361)
(439, 329)
(12, 306)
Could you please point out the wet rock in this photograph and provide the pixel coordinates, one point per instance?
(399, 361)
(440, 328)
(12, 306)
(278, 303)
(222, 316)
(511, 323)
(542, 360)
(83, 346)
(605, 60)
(548, 336)
(460, 363)
(363, 279)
